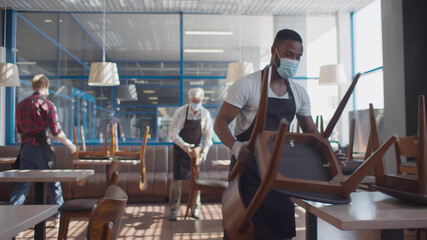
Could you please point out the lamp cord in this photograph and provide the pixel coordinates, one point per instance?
(4, 26)
(240, 32)
(103, 35)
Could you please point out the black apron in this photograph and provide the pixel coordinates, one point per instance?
(275, 218)
(192, 134)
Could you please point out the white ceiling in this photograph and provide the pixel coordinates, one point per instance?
(246, 7)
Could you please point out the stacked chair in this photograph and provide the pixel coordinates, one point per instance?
(116, 153)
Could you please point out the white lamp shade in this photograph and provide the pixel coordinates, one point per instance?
(127, 93)
(237, 70)
(332, 74)
(9, 75)
(103, 74)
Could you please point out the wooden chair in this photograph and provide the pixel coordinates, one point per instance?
(316, 176)
(405, 146)
(105, 217)
(124, 155)
(409, 187)
(83, 154)
(75, 208)
(197, 184)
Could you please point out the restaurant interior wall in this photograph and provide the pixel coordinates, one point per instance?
(158, 64)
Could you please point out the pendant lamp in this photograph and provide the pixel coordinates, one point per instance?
(127, 93)
(237, 70)
(9, 74)
(332, 74)
(103, 73)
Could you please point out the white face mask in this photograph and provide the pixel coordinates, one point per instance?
(196, 106)
(288, 67)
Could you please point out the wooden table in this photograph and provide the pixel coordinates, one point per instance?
(40, 177)
(366, 211)
(104, 161)
(15, 219)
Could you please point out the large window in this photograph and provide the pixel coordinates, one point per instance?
(368, 56)
(163, 55)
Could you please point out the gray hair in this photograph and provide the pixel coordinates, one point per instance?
(196, 92)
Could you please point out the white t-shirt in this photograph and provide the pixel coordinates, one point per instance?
(245, 94)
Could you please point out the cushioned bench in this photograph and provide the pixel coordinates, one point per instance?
(159, 170)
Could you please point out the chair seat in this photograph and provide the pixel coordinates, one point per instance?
(348, 167)
(212, 183)
(78, 205)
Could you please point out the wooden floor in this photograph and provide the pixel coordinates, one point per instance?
(150, 222)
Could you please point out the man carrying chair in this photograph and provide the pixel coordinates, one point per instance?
(188, 124)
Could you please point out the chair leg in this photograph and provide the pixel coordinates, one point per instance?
(63, 226)
(191, 199)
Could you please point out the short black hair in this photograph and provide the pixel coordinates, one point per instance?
(286, 34)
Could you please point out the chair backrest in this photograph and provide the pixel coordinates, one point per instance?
(113, 171)
(105, 218)
(405, 147)
(142, 159)
(114, 144)
(76, 142)
(195, 170)
(82, 137)
(83, 142)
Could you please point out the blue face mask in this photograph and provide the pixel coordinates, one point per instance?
(288, 67)
(196, 106)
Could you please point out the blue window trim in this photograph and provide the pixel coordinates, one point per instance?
(10, 92)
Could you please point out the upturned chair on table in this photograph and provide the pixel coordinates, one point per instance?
(116, 153)
(81, 152)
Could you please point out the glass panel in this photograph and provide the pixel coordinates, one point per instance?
(371, 85)
(46, 22)
(368, 37)
(139, 49)
(72, 38)
(368, 56)
(34, 58)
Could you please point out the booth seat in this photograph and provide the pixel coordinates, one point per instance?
(159, 174)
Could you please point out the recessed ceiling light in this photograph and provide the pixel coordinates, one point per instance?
(153, 98)
(209, 91)
(155, 102)
(27, 63)
(208, 33)
(203, 50)
(48, 20)
(149, 91)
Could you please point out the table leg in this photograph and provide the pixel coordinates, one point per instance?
(40, 197)
(310, 226)
(392, 234)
